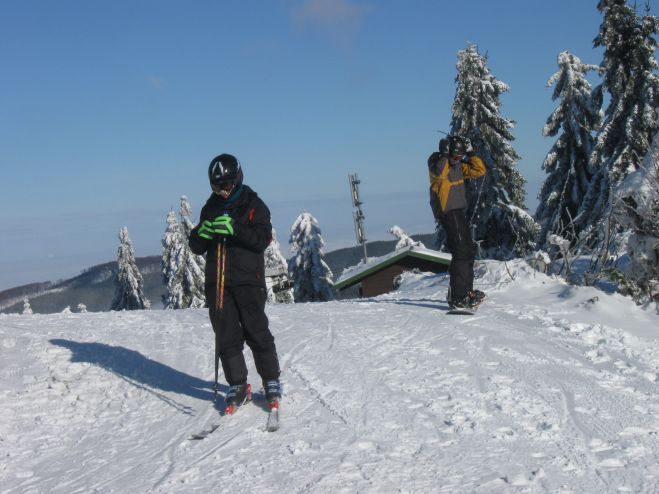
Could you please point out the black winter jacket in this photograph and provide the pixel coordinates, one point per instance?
(252, 234)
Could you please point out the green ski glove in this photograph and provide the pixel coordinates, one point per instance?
(206, 230)
(223, 225)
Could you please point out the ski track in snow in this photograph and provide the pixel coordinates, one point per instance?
(537, 392)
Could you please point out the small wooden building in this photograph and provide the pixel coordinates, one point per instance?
(377, 276)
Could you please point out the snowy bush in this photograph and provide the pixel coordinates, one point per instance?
(404, 240)
(26, 306)
(539, 260)
(637, 209)
(562, 244)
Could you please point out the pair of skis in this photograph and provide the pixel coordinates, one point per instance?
(271, 425)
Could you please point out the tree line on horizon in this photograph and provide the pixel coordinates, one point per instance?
(183, 271)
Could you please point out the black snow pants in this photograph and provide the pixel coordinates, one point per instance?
(463, 251)
(243, 320)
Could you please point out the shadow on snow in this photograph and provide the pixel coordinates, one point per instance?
(144, 373)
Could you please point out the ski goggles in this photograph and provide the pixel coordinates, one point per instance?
(223, 187)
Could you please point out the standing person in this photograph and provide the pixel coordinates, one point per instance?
(448, 201)
(234, 230)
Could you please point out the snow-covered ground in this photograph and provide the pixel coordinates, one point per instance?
(549, 388)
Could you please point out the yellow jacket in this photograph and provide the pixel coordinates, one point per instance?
(447, 190)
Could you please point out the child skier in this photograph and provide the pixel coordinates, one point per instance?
(448, 201)
(234, 230)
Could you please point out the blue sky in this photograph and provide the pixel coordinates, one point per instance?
(110, 111)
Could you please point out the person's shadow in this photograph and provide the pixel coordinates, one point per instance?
(145, 373)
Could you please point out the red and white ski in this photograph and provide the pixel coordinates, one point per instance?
(273, 416)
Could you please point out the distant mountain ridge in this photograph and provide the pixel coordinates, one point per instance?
(94, 287)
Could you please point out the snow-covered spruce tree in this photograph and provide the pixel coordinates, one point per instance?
(191, 266)
(496, 202)
(566, 164)
(129, 286)
(630, 119)
(26, 306)
(637, 209)
(170, 264)
(312, 277)
(82, 308)
(404, 240)
(275, 262)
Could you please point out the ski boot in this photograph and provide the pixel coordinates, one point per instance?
(475, 298)
(238, 395)
(272, 391)
(455, 303)
(459, 304)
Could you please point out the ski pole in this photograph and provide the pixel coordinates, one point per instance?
(223, 247)
(217, 364)
(218, 276)
(224, 263)
(219, 300)
(217, 308)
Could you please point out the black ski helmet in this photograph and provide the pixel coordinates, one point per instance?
(225, 169)
(457, 147)
(444, 146)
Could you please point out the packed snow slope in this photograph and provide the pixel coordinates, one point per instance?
(548, 388)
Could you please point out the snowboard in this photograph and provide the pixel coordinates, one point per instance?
(464, 311)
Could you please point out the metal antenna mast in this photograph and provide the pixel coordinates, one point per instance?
(357, 213)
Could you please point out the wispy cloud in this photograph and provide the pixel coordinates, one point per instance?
(341, 19)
